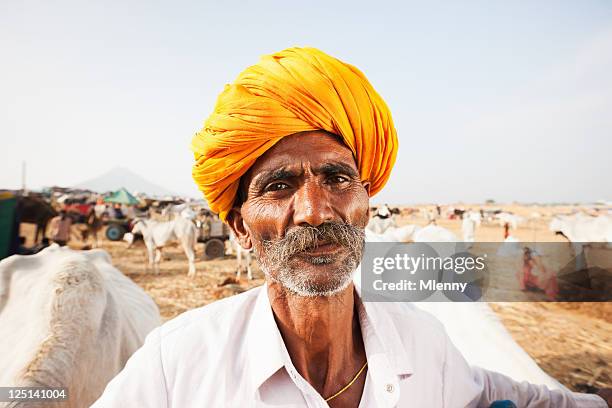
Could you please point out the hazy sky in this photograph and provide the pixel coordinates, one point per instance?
(510, 100)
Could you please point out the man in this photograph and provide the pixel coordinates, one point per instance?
(544, 279)
(100, 208)
(288, 159)
(61, 228)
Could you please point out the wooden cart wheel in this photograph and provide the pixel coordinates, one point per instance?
(214, 248)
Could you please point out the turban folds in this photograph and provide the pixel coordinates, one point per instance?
(295, 90)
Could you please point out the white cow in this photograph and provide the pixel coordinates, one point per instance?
(129, 238)
(383, 211)
(475, 329)
(69, 319)
(434, 233)
(583, 228)
(379, 225)
(188, 214)
(508, 218)
(157, 234)
(471, 220)
(383, 225)
(244, 257)
(484, 341)
(405, 233)
(183, 210)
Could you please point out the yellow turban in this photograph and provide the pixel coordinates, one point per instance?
(295, 90)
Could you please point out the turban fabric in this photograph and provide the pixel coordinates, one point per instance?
(295, 90)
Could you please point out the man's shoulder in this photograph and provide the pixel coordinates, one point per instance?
(212, 319)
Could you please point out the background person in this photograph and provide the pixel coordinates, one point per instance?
(60, 228)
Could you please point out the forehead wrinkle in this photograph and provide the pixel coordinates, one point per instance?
(334, 167)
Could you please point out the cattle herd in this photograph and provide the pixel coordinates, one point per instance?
(71, 319)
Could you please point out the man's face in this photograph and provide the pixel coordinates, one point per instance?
(304, 213)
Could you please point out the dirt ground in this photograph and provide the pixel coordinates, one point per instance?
(570, 341)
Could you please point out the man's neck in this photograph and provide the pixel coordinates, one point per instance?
(322, 335)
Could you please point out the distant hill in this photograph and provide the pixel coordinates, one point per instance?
(122, 177)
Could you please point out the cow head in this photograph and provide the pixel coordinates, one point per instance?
(138, 226)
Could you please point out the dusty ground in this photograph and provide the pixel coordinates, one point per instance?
(570, 341)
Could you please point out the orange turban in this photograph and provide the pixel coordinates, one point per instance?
(295, 90)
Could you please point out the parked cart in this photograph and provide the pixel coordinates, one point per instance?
(213, 233)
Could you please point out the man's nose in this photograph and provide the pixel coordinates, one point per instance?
(312, 206)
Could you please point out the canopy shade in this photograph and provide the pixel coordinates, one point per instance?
(122, 196)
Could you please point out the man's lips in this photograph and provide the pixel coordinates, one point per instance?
(324, 248)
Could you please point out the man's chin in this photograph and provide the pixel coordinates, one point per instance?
(317, 288)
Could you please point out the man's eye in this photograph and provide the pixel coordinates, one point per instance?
(338, 179)
(276, 186)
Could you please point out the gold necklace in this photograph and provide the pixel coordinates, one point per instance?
(347, 386)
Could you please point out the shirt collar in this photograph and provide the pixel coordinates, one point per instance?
(267, 352)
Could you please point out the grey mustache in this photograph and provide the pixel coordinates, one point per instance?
(299, 239)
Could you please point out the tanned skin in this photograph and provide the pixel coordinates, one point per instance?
(307, 179)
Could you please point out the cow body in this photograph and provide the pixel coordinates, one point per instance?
(69, 319)
(434, 233)
(244, 258)
(379, 225)
(583, 228)
(512, 220)
(472, 326)
(405, 233)
(157, 234)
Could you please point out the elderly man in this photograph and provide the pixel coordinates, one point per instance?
(289, 158)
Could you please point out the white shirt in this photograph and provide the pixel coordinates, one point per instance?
(231, 354)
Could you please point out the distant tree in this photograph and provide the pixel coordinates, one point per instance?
(490, 201)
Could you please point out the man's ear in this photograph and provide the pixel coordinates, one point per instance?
(366, 184)
(236, 223)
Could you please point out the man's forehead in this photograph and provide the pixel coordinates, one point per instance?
(315, 148)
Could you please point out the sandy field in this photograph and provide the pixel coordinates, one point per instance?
(570, 341)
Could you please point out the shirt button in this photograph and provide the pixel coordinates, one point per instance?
(390, 388)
